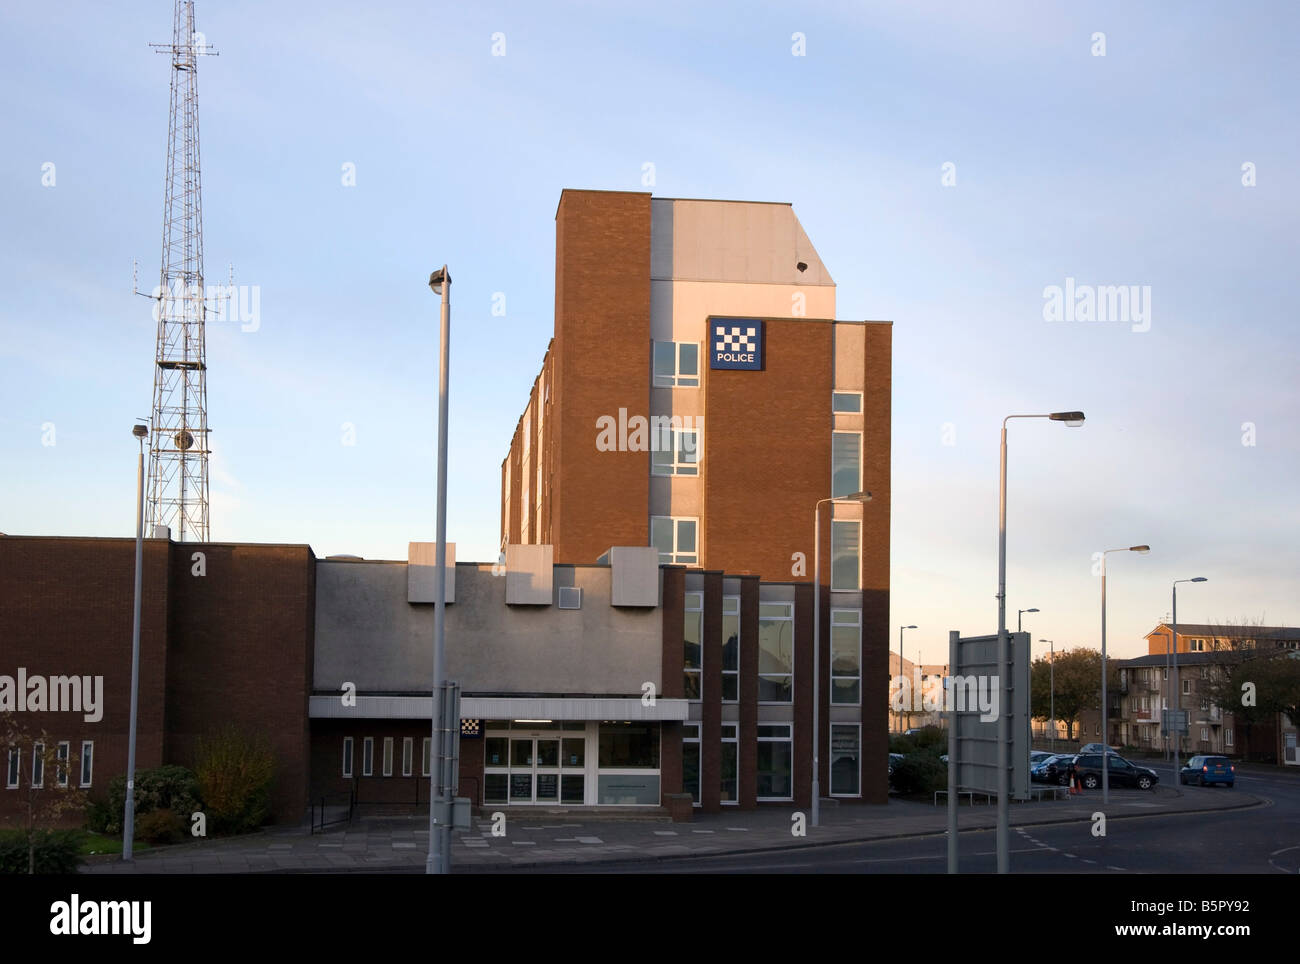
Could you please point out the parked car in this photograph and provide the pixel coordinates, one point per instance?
(894, 758)
(1053, 769)
(1087, 767)
(1038, 756)
(1207, 770)
(1097, 748)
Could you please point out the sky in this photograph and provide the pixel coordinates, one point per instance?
(951, 163)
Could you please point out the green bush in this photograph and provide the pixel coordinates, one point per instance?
(162, 788)
(235, 773)
(930, 737)
(56, 851)
(919, 773)
(160, 827)
(98, 815)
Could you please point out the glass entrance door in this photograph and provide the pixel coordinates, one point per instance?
(535, 769)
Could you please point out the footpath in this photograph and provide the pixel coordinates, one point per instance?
(545, 837)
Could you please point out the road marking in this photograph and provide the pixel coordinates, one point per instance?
(1282, 851)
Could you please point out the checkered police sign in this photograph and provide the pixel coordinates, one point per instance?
(736, 344)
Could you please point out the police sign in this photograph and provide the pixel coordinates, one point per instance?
(736, 344)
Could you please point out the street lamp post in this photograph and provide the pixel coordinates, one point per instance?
(439, 858)
(1019, 614)
(1178, 694)
(1051, 688)
(128, 816)
(1072, 419)
(861, 498)
(1105, 707)
(900, 671)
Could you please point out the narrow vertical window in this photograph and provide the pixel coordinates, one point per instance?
(388, 756)
(87, 761)
(347, 757)
(692, 645)
(368, 756)
(408, 753)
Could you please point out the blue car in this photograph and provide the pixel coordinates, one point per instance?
(1208, 770)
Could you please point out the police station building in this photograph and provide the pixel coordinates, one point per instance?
(648, 630)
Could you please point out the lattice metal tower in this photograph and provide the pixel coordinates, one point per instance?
(178, 447)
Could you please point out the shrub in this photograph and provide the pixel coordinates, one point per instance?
(235, 773)
(919, 773)
(168, 787)
(57, 851)
(160, 827)
(98, 815)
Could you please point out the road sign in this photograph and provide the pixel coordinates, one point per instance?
(1173, 721)
(975, 671)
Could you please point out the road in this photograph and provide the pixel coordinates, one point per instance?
(1259, 840)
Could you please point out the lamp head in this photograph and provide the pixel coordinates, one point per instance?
(909, 627)
(858, 497)
(438, 278)
(1029, 610)
(1142, 549)
(140, 431)
(1198, 579)
(1072, 419)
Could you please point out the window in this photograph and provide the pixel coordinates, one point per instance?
(388, 756)
(368, 756)
(774, 762)
(675, 538)
(87, 761)
(629, 746)
(730, 649)
(1205, 672)
(1166, 672)
(676, 364)
(1187, 686)
(846, 402)
(691, 760)
(1196, 645)
(673, 451)
(425, 754)
(845, 742)
(1205, 734)
(347, 758)
(846, 463)
(15, 764)
(1205, 704)
(61, 771)
(692, 645)
(844, 556)
(846, 656)
(408, 754)
(1227, 736)
(775, 652)
(730, 763)
(38, 764)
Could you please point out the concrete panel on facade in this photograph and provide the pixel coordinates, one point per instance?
(679, 309)
(746, 241)
(530, 575)
(421, 586)
(850, 352)
(368, 634)
(635, 575)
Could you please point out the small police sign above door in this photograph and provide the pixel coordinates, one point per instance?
(736, 343)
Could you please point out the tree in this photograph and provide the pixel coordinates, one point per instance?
(50, 791)
(1077, 686)
(1251, 679)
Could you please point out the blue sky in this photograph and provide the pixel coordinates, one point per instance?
(1116, 169)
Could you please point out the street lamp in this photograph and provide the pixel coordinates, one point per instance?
(1178, 695)
(439, 858)
(1074, 420)
(1051, 676)
(900, 670)
(1105, 708)
(141, 432)
(1021, 612)
(861, 498)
